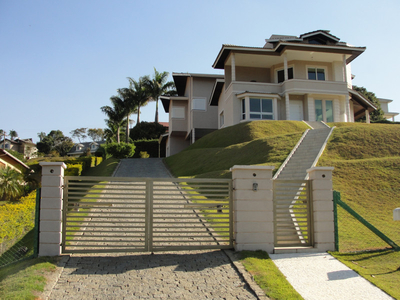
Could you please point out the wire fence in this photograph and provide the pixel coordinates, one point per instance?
(364, 231)
(25, 245)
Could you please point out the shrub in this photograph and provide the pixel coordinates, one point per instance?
(121, 150)
(73, 170)
(150, 146)
(147, 130)
(144, 154)
(11, 186)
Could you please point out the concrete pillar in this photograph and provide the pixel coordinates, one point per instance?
(322, 197)
(253, 208)
(344, 68)
(367, 117)
(51, 208)
(233, 66)
(287, 106)
(348, 110)
(285, 67)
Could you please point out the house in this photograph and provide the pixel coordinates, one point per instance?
(81, 148)
(306, 77)
(25, 146)
(385, 107)
(190, 115)
(8, 160)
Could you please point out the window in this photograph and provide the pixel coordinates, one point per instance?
(178, 112)
(316, 73)
(199, 104)
(221, 119)
(261, 109)
(281, 74)
(243, 109)
(324, 110)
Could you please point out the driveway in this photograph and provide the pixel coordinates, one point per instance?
(207, 274)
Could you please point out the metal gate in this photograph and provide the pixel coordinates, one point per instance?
(111, 214)
(293, 213)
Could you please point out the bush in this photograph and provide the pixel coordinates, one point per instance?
(144, 154)
(121, 150)
(149, 146)
(16, 219)
(73, 170)
(146, 130)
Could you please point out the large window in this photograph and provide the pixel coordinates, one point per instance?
(324, 110)
(316, 73)
(281, 74)
(261, 109)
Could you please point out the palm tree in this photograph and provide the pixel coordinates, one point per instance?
(13, 134)
(10, 183)
(128, 98)
(115, 114)
(158, 86)
(141, 96)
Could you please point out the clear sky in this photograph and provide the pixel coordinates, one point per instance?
(60, 61)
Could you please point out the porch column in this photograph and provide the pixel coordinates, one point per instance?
(233, 66)
(287, 105)
(348, 117)
(367, 117)
(253, 208)
(51, 208)
(344, 69)
(285, 67)
(322, 203)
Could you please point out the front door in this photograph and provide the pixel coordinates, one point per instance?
(296, 110)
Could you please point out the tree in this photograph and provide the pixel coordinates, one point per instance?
(130, 107)
(41, 135)
(116, 117)
(158, 86)
(140, 94)
(79, 133)
(147, 131)
(376, 115)
(55, 141)
(10, 184)
(96, 134)
(13, 134)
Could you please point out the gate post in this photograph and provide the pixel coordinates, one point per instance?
(51, 208)
(253, 208)
(322, 203)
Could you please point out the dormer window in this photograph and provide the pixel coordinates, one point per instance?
(316, 73)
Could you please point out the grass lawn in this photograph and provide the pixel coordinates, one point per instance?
(381, 268)
(106, 168)
(267, 275)
(26, 279)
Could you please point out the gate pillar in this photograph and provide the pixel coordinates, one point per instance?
(322, 202)
(51, 208)
(253, 208)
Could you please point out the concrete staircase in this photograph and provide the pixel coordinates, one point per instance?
(303, 156)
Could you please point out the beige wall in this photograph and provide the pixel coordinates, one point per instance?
(177, 124)
(202, 88)
(253, 74)
(177, 144)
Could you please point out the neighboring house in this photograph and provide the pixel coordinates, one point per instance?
(190, 115)
(25, 146)
(8, 160)
(289, 78)
(80, 148)
(385, 107)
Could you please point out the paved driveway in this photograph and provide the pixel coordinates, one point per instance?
(205, 274)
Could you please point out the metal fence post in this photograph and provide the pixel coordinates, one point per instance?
(336, 197)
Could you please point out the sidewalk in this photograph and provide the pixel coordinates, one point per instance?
(321, 276)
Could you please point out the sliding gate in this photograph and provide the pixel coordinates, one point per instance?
(111, 214)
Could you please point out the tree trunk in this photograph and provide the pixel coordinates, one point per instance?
(127, 129)
(138, 116)
(156, 119)
(118, 135)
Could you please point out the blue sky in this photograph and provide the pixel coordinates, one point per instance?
(60, 61)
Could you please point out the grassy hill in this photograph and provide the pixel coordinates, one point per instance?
(251, 143)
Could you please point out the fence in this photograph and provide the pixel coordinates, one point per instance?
(354, 232)
(24, 245)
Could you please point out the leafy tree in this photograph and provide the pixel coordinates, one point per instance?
(46, 145)
(41, 135)
(10, 184)
(147, 131)
(79, 133)
(116, 117)
(158, 86)
(96, 134)
(13, 134)
(377, 115)
(64, 145)
(140, 94)
(55, 141)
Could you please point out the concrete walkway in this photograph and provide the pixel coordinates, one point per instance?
(207, 274)
(321, 276)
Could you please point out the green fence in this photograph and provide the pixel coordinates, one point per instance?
(354, 232)
(24, 244)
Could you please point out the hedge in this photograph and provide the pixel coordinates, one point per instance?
(16, 218)
(73, 170)
(149, 146)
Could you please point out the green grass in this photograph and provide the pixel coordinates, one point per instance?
(106, 168)
(254, 143)
(382, 268)
(26, 279)
(267, 275)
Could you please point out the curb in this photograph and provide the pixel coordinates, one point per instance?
(53, 279)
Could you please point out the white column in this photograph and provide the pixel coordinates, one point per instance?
(233, 66)
(367, 117)
(322, 202)
(287, 106)
(285, 67)
(344, 69)
(253, 208)
(51, 208)
(348, 117)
